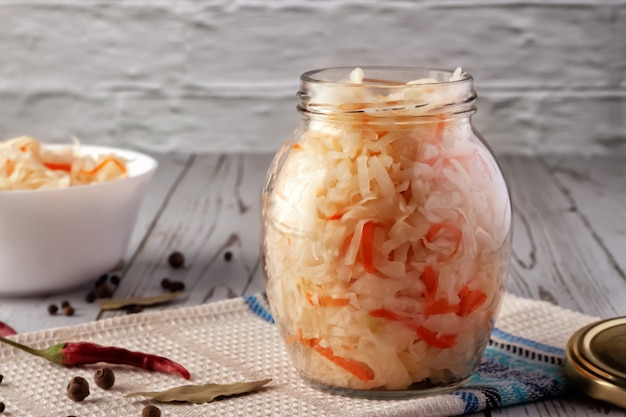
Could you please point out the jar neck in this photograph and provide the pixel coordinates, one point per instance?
(401, 94)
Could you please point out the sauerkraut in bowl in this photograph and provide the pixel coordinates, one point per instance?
(27, 164)
(386, 232)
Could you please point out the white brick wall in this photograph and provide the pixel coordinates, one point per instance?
(219, 75)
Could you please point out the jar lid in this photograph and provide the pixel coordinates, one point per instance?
(596, 360)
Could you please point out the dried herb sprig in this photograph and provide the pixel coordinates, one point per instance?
(199, 394)
(115, 303)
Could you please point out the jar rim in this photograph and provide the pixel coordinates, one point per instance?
(442, 76)
(386, 91)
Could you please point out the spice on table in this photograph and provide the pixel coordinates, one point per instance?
(1, 378)
(77, 389)
(2, 407)
(53, 309)
(176, 260)
(91, 297)
(65, 303)
(115, 280)
(116, 303)
(68, 310)
(165, 283)
(6, 330)
(151, 411)
(104, 378)
(228, 255)
(84, 353)
(176, 286)
(200, 394)
(104, 291)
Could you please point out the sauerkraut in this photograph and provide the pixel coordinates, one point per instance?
(386, 243)
(26, 164)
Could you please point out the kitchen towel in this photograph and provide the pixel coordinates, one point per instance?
(235, 340)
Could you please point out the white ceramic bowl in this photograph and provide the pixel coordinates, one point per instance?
(52, 240)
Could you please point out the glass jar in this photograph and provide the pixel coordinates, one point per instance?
(386, 232)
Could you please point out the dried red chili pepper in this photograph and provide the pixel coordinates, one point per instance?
(6, 330)
(84, 353)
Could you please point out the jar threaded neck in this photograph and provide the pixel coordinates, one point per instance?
(384, 92)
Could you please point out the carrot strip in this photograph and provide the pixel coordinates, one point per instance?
(440, 128)
(103, 163)
(356, 368)
(435, 340)
(435, 232)
(428, 336)
(383, 313)
(470, 301)
(327, 301)
(431, 282)
(440, 307)
(309, 298)
(336, 216)
(367, 237)
(64, 166)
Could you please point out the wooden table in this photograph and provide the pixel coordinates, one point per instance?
(569, 243)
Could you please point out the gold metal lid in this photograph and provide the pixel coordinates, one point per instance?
(596, 360)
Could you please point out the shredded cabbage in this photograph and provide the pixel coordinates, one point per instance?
(26, 164)
(386, 250)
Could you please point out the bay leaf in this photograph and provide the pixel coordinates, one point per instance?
(115, 303)
(199, 394)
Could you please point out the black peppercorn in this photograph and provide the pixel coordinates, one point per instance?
(1, 377)
(115, 280)
(176, 260)
(104, 378)
(104, 291)
(78, 389)
(68, 310)
(2, 406)
(91, 297)
(53, 309)
(65, 303)
(165, 283)
(176, 286)
(228, 255)
(151, 411)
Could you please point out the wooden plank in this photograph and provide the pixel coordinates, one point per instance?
(28, 314)
(596, 187)
(555, 256)
(214, 210)
(170, 170)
